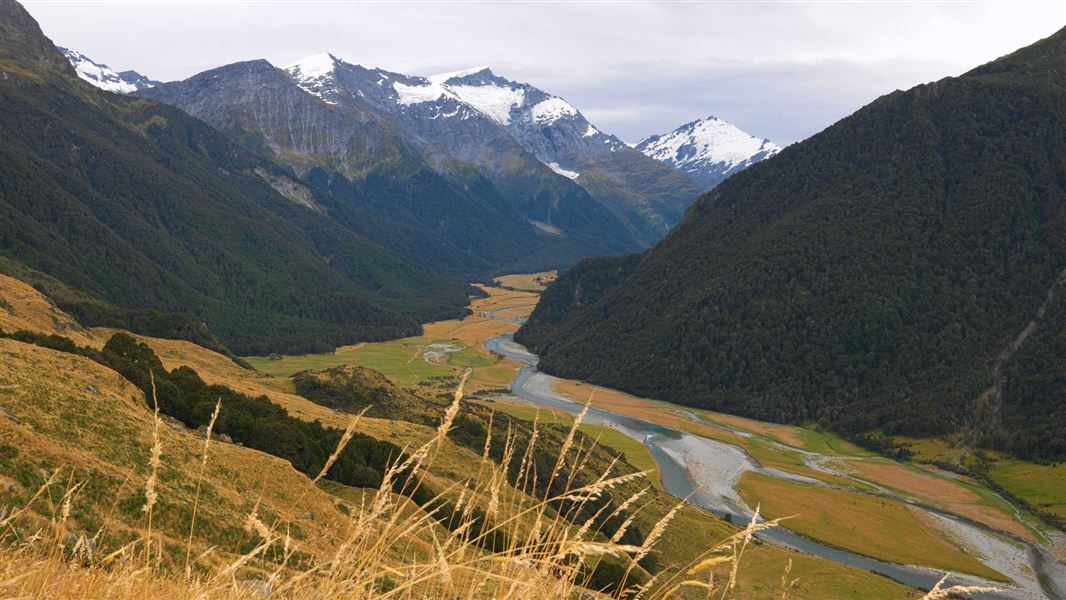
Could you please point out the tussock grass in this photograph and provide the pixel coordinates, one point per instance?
(546, 553)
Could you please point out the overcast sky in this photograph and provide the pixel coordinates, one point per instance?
(781, 70)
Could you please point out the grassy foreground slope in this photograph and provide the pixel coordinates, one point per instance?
(71, 417)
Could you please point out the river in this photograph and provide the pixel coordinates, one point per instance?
(705, 471)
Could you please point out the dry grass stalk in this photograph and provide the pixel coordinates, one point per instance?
(199, 485)
(956, 591)
(154, 460)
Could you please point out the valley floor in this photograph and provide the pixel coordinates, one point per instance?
(834, 492)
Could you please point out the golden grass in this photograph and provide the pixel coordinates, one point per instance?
(671, 416)
(1042, 486)
(940, 492)
(477, 328)
(471, 331)
(533, 282)
(402, 360)
(877, 527)
(456, 463)
(634, 452)
(495, 377)
(958, 497)
(371, 553)
(215, 368)
(782, 433)
(24, 308)
(67, 413)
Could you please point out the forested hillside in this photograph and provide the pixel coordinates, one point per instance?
(141, 211)
(869, 278)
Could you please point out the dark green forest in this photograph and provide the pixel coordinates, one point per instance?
(866, 279)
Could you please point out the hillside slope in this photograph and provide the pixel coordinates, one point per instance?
(868, 278)
(142, 207)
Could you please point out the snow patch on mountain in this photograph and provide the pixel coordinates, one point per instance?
(315, 74)
(710, 139)
(104, 77)
(416, 94)
(551, 110)
(708, 150)
(494, 101)
(443, 77)
(561, 171)
(455, 112)
(313, 67)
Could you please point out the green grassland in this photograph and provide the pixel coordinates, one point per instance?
(399, 360)
(529, 282)
(1043, 486)
(877, 527)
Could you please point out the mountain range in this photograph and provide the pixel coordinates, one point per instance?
(899, 273)
(566, 194)
(520, 138)
(536, 148)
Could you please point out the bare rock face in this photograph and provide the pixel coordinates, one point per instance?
(260, 105)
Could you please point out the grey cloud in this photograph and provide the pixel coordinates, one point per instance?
(778, 70)
(785, 102)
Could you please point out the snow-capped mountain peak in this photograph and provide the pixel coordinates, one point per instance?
(104, 77)
(551, 110)
(708, 150)
(315, 74)
(444, 77)
(548, 126)
(313, 67)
